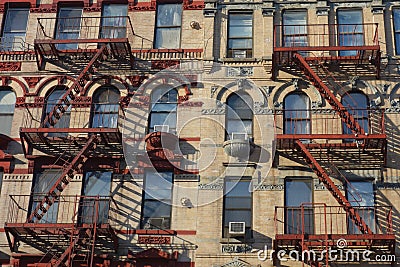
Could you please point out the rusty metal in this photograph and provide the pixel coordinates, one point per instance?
(69, 170)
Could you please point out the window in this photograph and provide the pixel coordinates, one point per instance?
(297, 192)
(168, 28)
(239, 115)
(96, 184)
(361, 195)
(350, 30)
(297, 114)
(237, 203)
(51, 102)
(42, 183)
(157, 197)
(105, 107)
(14, 29)
(68, 26)
(164, 102)
(113, 21)
(240, 32)
(295, 28)
(357, 104)
(396, 22)
(7, 105)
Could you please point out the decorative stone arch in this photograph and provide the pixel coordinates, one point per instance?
(297, 85)
(181, 83)
(394, 96)
(18, 86)
(115, 81)
(365, 87)
(48, 84)
(236, 263)
(241, 85)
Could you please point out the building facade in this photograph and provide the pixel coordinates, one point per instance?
(199, 133)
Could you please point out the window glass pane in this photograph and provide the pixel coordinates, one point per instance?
(163, 118)
(157, 209)
(396, 19)
(97, 183)
(68, 26)
(237, 203)
(349, 17)
(297, 127)
(169, 15)
(239, 126)
(14, 29)
(7, 101)
(238, 216)
(297, 102)
(240, 43)
(114, 10)
(168, 37)
(297, 192)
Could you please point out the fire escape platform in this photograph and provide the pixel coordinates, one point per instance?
(72, 140)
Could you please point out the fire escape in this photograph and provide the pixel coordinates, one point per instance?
(71, 230)
(324, 55)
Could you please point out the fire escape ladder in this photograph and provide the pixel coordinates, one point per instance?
(69, 170)
(346, 117)
(76, 88)
(326, 180)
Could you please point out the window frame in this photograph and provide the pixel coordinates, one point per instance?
(58, 32)
(341, 33)
(9, 114)
(225, 224)
(148, 198)
(237, 116)
(294, 35)
(5, 24)
(230, 52)
(307, 119)
(396, 30)
(48, 107)
(157, 26)
(297, 209)
(107, 115)
(153, 103)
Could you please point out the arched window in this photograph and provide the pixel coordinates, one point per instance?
(164, 101)
(51, 101)
(357, 104)
(7, 105)
(239, 115)
(104, 113)
(297, 114)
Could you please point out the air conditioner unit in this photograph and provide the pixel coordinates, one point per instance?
(239, 136)
(161, 128)
(239, 54)
(237, 228)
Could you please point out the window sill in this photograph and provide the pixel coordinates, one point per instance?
(232, 59)
(233, 240)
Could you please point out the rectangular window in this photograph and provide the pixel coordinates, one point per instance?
(7, 106)
(157, 198)
(237, 204)
(96, 193)
(361, 195)
(396, 25)
(294, 28)
(240, 35)
(168, 28)
(113, 21)
(298, 196)
(42, 184)
(14, 29)
(350, 30)
(68, 26)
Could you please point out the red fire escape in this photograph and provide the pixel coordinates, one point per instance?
(71, 230)
(318, 53)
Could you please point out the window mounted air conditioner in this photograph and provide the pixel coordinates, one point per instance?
(237, 228)
(161, 128)
(239, 136)
(154, 223)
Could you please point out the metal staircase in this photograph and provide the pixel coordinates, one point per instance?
(69, 170)
(76, 88)
(323, 89)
